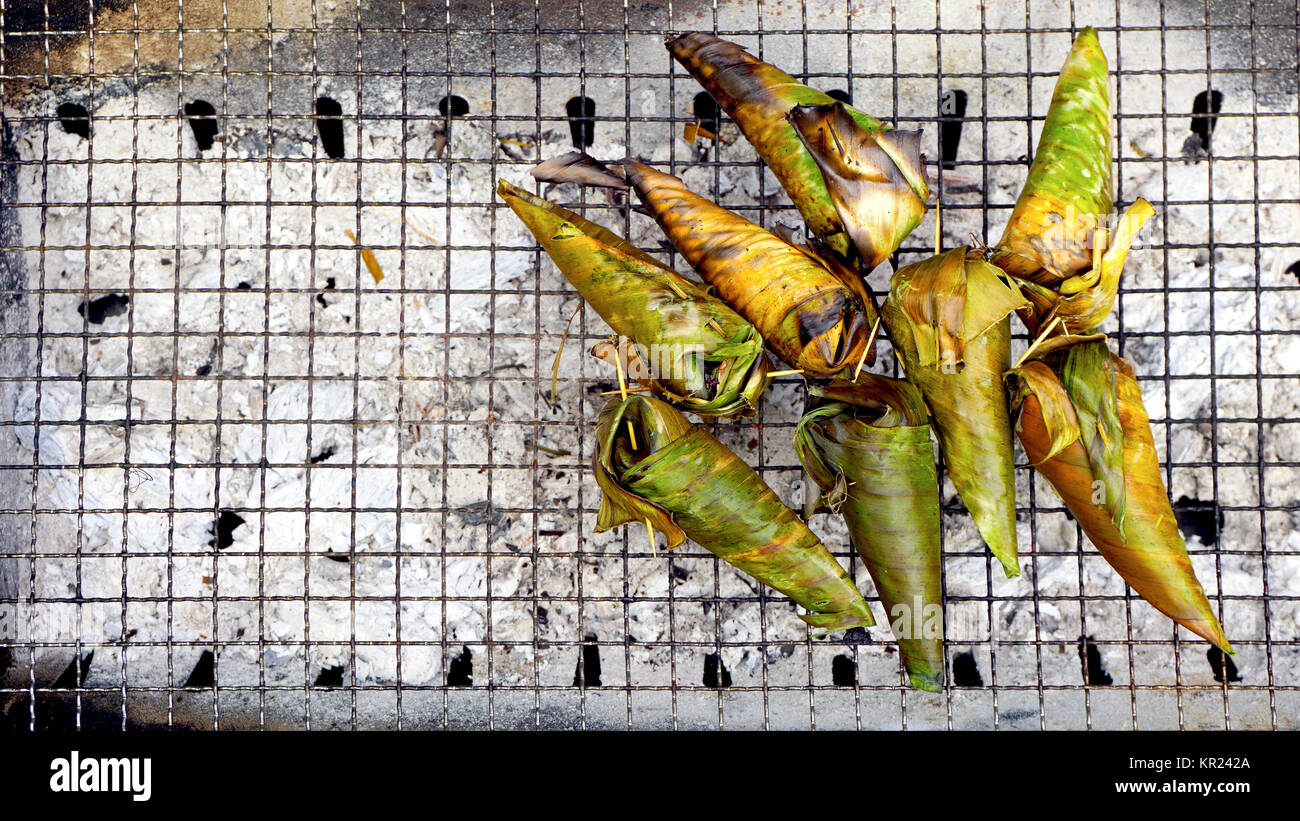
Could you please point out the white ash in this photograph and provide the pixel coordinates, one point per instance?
(170, 555)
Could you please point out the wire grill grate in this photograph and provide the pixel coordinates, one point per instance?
(243, 484)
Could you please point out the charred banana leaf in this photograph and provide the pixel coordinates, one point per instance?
(816, 313)
(1060, 239)
(875, 178)
(949, 320)
(758, 96)
(813, 310)
(867, 447)
(654, 466)
(1082, 423)
(695, 350)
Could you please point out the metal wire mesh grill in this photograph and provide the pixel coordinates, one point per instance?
(247, 485)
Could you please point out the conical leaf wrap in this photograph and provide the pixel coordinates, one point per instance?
(1070, 177)
(1060, 239)
(758, 96)
(949, 320)
(702, 355)
(867, 446)
(816, 314)
(1145, 547)
(686, 483)
(875, 178)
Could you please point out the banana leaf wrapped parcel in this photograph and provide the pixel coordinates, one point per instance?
(867, 447)
(1059, 240)
(758, 96)
(949, 320)
(874, 178)
(815, 313)
(654, 466)
(694, 350)
(1080, 418)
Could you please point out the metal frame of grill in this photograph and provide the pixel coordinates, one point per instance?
(36, 699)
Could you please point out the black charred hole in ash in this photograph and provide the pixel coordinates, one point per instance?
(587, 673)
(74, 675)
(965, 672)
(331, 676)
(1294, 269)
(204, 672)
(341, 558)
(1222, 666)
(841, 95)
(952, 112)
(453, 105)
(844, 671)
(1094, 671)
(325, 453)
(203, 122)
(1204, 520)
(74, 118)
(105, 307)
(1205, 115)
(460, 673)
(716, 674)
(582, 121)
(244, 286)
(329, 286)
(855, 635)
(707, 111)
(223, 529)
(329, 124)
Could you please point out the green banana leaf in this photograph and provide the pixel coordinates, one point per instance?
(758, 96)
(1056, 395)
(949, 320)
(867, 446)
(1059, 239)
(689, 345)
(875, 178)
(653, 466)
(813, 310)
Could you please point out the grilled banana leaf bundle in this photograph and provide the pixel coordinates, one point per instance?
(814, 312)
(1080, 418)
(1060, 240)
(694, 350)
(949, 320)
(653, 466)
(857, 182)
(867, 447)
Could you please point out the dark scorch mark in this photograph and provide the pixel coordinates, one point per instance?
(1094, 671)
(965, 673)
(844, 671)
(105, 307)
(587, 672)
(716, 674)
(460, 673)
(223, 530)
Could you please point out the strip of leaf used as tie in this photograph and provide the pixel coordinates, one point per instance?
(813, 310)
(758, 96)
(1060, 240)
(1080, 418)
(867, 447)
(949, 320)
(654, 466)
(874, 177)
(684, 342)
